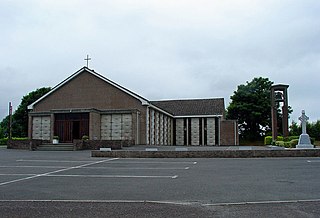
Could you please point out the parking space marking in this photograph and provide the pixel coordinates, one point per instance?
(313, 161)
(118, 168)
(159, 162)
(112, 176)
(17, 174)
(46, 167)
(138, 168)
(89, 166)
(262, 202)
(91, 176)
(56, 171)
(56, 161)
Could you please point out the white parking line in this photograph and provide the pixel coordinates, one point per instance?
(113, 176)
(136, 168)
(159, 162)
(117, 168)
(166, 202)
(262, 202)
(17, 174)
(56, 161)
(93, 176)
(313, 161)
(122, 162)
(106, 201)
(56, 171)
(45, 167)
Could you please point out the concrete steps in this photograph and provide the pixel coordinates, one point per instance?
(55, 147)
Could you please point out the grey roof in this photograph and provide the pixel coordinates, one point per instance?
(192, 107)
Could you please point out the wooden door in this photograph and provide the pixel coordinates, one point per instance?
(71, 126)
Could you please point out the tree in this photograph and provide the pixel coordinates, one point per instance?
(4, 127)
(20, 116)
(294, 129)
(313, 129)
(251, 106)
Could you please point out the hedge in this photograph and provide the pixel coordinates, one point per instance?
(4, 141)
(288, 142)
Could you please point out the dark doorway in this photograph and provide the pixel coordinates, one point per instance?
(71, 126)
(76, 129)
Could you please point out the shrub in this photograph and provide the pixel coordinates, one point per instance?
(312, 140)
(280, 143)
(268, 140)
(3, 141)
(85, 137)
(293, 137)
(280, 138)
(294, 142)
(19, 139)
(287, 144)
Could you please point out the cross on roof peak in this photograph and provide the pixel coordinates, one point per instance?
(87, 59)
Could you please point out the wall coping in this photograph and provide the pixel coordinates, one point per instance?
(209, 154)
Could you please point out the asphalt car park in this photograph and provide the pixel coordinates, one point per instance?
(75, 184)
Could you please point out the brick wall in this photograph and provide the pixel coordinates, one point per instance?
(87, 91)
(229, 132)
(97, 144)
(29, 144)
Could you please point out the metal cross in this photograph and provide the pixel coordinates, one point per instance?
(87, 59)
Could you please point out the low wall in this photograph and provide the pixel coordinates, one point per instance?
(28, 144)
(32, 144)
(97, 144)
(209, 154)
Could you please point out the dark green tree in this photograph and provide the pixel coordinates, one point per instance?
(250, 105)
(294, 129)
(313, 129)
(20, 116)
(4, 127)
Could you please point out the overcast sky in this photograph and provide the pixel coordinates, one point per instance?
(164, 49)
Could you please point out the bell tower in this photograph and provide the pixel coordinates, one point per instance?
(279, 97)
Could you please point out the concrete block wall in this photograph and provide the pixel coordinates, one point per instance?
(160, 127)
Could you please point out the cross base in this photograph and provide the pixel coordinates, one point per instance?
(304, 142)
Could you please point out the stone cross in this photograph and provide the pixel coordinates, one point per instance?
(303, 118)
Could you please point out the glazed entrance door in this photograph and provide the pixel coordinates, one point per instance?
(71, 126)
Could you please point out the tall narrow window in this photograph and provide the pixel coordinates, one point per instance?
(200, 131)
(205, 131)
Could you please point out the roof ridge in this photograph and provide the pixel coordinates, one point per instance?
(189, 99)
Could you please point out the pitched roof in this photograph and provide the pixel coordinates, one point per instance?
(192, 107)
(85, 69)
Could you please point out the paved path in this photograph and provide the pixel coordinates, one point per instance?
(73, 184)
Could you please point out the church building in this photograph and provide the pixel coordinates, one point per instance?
(88, 104)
